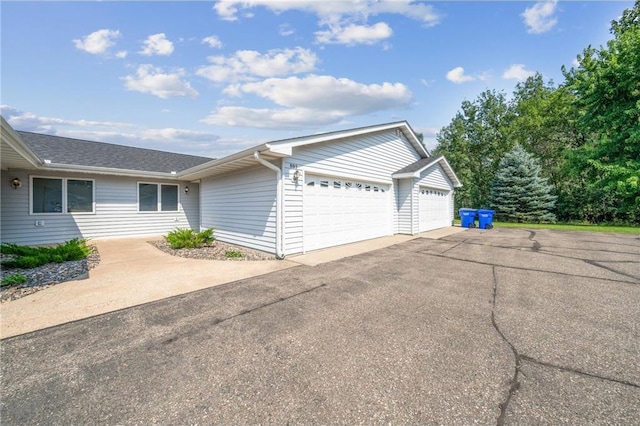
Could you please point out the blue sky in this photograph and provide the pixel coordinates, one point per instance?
(212, 78)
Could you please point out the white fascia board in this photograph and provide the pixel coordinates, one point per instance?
(224, 160)
(265, 148)
(284, 151)
(55, 167)
(13, 140)
(406, 175)
(449, 170)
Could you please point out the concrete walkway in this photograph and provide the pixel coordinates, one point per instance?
(132, 272)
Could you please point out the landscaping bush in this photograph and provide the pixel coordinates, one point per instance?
(13, 279)
(233, 254)
(187, 238)
(31, 257)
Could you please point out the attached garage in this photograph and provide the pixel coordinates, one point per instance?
(326, 190)
(433, 205)
(339, 211)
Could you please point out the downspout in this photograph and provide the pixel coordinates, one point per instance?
(279, 203)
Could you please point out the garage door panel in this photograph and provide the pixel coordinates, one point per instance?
(433, 208)
(340, 212)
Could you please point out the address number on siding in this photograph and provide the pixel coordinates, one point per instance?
(293, 166)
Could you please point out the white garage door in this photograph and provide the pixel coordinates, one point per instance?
(434, 208)
(340, 211)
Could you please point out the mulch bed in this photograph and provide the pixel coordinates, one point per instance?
(215, 251)
(46, 275)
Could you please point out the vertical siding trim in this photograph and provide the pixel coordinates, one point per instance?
(279, 203)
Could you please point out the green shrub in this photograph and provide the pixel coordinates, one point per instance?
(233, 254)
(187, 238)
(32, 257)
(13, 279)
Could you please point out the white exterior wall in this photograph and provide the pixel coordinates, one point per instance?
(435, 177)
(371, 158)
(406, 203)
(116, 211)
(241, 207)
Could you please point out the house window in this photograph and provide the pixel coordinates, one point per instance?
(79, 196)
(169, 198)
(62, 195)
(46, 195)
(153, 197)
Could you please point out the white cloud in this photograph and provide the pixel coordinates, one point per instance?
(98, 42)
(540, 18)
(213, 42)
(149, 79)
(264, 118)
(517, 72)
(333, 10)
(310, 101)
(324, 92)
(458, 76)
(575, 62)
(354, 34)
(248, 64)
(285, 30)
(157, 44)
(122, 54)
(342, 21)
(28, 121)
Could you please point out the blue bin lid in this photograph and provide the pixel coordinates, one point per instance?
(467, 210)
(486, 211)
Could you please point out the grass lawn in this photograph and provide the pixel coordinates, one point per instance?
(568, 227)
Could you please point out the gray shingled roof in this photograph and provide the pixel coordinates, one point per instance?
(419, 165)
(78, 152)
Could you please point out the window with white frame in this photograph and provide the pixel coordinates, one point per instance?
(153, 197)
(52, 195)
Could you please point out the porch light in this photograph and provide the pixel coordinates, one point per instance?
(186, 189)
(15, 183)
(296, 176)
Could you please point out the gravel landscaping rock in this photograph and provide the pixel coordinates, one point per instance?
(47, 275)
(214, 251)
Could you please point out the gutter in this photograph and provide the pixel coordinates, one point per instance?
(279, 204)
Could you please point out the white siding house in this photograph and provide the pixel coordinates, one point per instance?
(302, 194)
(284, 197)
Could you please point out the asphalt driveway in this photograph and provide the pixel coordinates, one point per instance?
(488, 327)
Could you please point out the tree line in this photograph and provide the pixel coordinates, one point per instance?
(584, 133)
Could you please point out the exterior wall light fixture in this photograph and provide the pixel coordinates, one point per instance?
(296, 176)
(15, 183)
(186, 189)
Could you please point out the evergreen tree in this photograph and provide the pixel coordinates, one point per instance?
(518, 192)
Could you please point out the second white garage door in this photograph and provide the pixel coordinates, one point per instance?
(434, 206)
(338, 211)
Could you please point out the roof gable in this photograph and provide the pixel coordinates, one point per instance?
(284, 148)
(414, 170)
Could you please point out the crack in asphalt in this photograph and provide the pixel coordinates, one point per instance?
(576, 371)
(598, 265)
(536, 245)
(451, 248)
(514, 384)
(529, 269)
(217, 321)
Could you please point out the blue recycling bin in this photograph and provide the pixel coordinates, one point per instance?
(485, 218)
(467, 218)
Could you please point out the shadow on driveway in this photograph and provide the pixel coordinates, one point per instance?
(493, 327)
